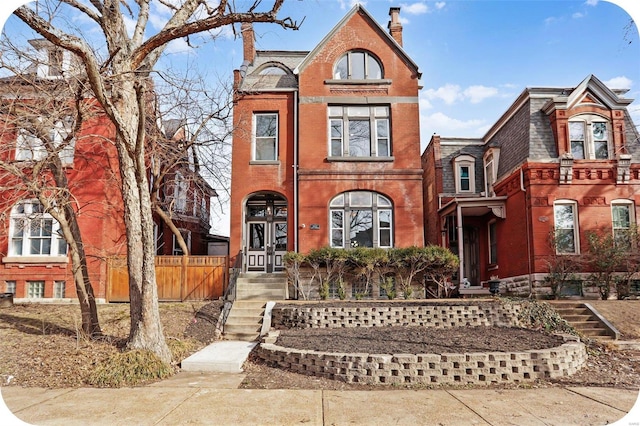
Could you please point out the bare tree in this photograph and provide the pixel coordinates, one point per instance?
(120, 83)
(44, 117)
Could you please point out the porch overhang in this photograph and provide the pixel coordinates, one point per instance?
(461, 207)
(475, 206)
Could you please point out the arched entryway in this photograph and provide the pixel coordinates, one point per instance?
(265, 232)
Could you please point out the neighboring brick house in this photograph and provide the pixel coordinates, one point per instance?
(34, 261)
(326, 149)
(560, 161)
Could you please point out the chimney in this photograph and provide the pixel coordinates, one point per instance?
(395, 27)
(248, 41)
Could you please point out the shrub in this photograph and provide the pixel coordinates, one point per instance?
(130, 368)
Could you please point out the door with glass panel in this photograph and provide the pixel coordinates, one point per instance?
(266, 234)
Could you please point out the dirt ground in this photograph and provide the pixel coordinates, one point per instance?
(40, 345)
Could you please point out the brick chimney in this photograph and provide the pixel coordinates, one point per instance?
(248, 41)
(395, 27)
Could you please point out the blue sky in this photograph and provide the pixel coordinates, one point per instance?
(475, 56)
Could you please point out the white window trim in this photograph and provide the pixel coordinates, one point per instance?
(373, 118)
(366, 55)
(492, 156)
(176, 250)
(632, 213)
(25, 256)
(180, 189)
(589, 144)
(255, 137)
(375, 208)
(30, 148)
(465, 161)
(576, 225)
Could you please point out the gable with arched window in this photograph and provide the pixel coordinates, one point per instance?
(464, 168)
(361, 219)
(358, 65)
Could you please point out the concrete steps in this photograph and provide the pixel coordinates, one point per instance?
(245, 319)
(583, 319)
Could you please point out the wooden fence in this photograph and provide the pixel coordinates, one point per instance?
(178, 278)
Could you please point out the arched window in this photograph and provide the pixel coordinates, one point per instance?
(589, 136)
(34, 232)
(361, 219)
(272, 70)
(358, 65)
(464, 169)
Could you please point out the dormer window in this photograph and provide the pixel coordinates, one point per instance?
(272, 70)
(464, 167)
(358, 65)
(589, 136)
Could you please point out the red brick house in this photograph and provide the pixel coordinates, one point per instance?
(34, 261)
(560, 161)
(326, 149)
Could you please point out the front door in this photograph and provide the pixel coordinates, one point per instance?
(266, 234)
(471, 255)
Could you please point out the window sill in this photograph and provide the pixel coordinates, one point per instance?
(35, 259)
(383, 81)
(264, 163)
(361, 159)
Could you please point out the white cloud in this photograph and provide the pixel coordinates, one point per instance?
(591, 2)
(449, 93)
(620, 82)
(452, 93)
(477, 94)
(415, 8)
(179, 45)
(443, 125)
(440, 5)
(578, 15)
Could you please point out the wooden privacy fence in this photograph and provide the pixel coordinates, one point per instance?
(178, 278)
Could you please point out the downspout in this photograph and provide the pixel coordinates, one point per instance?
(460, 243)
(295, 171)
(528, 223)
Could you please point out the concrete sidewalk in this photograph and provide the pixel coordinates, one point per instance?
(214, 399)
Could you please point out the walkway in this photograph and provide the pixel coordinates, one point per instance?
(214, 398)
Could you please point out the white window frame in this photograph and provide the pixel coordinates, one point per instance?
(341, 116)
(180, 192)
(59, 289)
(588, 140)
(256, 139)
(458, 164)
(360, 60)
(31, 148)
(574, 226)
(186, 235)
(35, 289)
(632, 216)
(345, 204)
(490, 160)
(10, 286)
(20, 230)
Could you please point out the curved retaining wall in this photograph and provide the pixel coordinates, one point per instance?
(450, 368)
(470, 368)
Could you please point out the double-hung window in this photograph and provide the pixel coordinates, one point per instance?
(34, 232)
(566, 227)
(589, 138)
(464, 167)
(359, 131)
(623, 218)
(180, 192)
(31, 147)
(361, 219)
(265, 137)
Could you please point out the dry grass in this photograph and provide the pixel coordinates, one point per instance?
(623, 314)
(41, 344)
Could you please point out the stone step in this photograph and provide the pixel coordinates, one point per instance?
(576, 318)
(243, 337)
(242, 328)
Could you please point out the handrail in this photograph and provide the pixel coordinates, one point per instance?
(230, 292)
